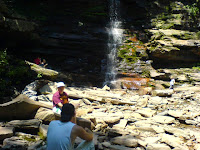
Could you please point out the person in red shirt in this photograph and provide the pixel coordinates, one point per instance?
(37, 61)
(59, 98)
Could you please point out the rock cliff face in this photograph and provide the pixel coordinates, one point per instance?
(72, 35)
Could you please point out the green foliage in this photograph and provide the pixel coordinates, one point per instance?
(198, 35)
(39, 75)
(13, 72)
(3, 58)
(128, 53)
(192, 9)
(196, 66)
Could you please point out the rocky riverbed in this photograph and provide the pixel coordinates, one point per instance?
(120, 118)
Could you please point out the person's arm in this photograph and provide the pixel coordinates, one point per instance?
(60, 105)
(57, 101)
(84, 134)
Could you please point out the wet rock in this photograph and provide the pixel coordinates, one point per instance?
(6, 132)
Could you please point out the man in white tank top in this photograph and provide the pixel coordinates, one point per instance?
(62, 133)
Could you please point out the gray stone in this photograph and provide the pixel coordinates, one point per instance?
(158, 147)
(36, 145)
(24, 124)
(22, 108)
(6, 132)
(174, 141)
(146, 112)
(15, 143)
(43, 129)
(163, 93)
(163, 119)
(128, 141)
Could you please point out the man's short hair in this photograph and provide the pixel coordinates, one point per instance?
(68, 111)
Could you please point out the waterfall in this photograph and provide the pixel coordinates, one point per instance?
(115, 34)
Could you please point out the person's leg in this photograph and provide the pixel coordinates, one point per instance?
(56, 110)
(85, 146)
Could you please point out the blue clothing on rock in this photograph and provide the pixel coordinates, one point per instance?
(58, 135)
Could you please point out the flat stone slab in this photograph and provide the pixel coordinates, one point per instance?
(24, 124)
(158, 147)
(6, 132)
(163, 119)
(128, 141)
(15, 143)
(20, 108)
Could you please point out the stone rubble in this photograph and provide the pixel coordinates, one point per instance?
(120, 119)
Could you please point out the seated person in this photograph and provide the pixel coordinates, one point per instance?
(43, 63)
(59, 98)
(62, 133)
(37, 61)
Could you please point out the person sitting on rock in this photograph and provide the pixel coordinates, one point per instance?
(43, 63)
(59, 98)
(62, 133)
(172, 82)
(37, 61)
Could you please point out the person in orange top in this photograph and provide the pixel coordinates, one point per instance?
(59, 98)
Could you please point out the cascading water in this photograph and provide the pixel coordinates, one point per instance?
(115, 33)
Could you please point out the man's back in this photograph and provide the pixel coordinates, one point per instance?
(58, 136)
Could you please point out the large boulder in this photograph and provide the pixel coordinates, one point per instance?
(45, 114)
(48, 88)
(51, 74)
(20, 108)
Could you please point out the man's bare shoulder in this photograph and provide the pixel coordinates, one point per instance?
(77, 128)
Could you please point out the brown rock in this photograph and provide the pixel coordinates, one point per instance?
(45, 114)
(22, 108)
